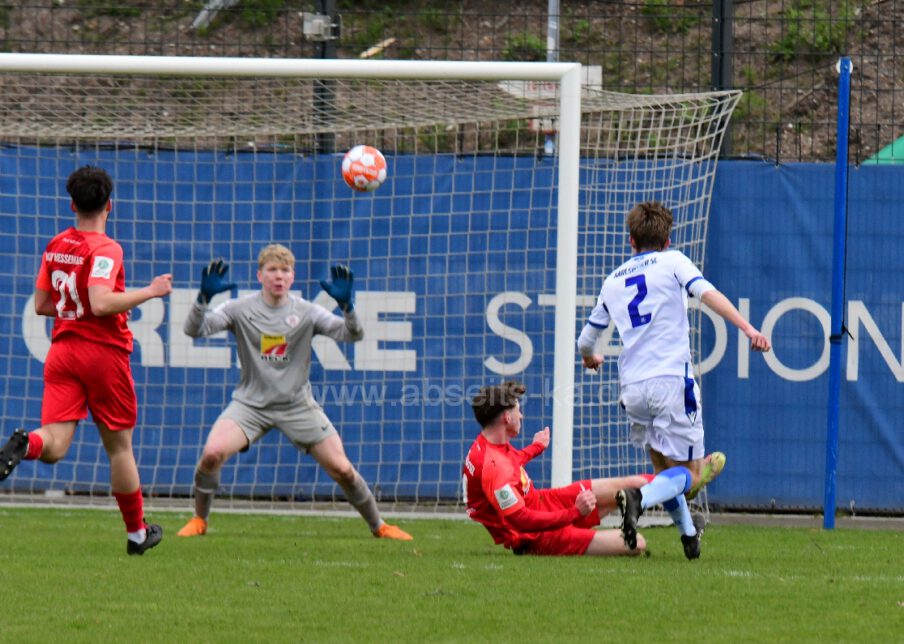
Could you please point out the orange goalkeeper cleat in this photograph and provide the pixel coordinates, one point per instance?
(712, 467)
(195, 527)
(386, 531)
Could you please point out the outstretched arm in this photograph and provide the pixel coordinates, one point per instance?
(540, 443)
(213, 281)
(201, 321)
(342, 329)
(527, 520)
(341, 288)
(599, 319)
(104, 301)
(586, 343)
(723, 306)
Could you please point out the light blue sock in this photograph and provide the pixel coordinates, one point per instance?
(667, 485)
(681, 515)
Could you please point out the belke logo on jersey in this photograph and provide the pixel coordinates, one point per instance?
(274, 348)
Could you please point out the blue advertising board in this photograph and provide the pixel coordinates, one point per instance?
(435, 288)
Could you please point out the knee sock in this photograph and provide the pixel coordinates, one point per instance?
(362, 499)
(681, 515)
(131, 506)
(35, 446)
(666, 485)
(205, 487)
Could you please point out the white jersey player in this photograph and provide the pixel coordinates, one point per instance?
(273, 330)
(646, 299)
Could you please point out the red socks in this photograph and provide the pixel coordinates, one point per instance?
(131, 505)
(35, 446)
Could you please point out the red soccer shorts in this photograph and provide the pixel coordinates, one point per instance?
(80, 375)
(572, 539)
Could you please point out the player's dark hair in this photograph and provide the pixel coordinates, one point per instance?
(649, 224)
(492, 400)
(90, 188)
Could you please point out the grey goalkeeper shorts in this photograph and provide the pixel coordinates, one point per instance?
(304, 426)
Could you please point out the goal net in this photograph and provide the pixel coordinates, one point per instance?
(477, 261)
(637, 148)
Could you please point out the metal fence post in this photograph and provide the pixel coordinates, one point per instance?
(722, 46)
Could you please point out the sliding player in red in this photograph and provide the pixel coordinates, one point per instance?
(81, 284)
(500, 495)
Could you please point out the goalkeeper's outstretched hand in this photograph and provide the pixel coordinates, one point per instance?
(341, 287)
(213, 278)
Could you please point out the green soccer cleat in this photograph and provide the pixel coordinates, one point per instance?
(713, 465)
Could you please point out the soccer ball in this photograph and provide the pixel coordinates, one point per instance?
(364, 168)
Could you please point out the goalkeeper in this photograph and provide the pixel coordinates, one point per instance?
(273, 330)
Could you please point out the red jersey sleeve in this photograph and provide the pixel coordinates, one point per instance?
(530, 452)
(497, 486)
(527, 520)
(43, 280)
(106, 263)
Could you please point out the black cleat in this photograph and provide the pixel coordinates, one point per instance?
(692, 544)
(13, 452)
(629, 504)
(153, 537)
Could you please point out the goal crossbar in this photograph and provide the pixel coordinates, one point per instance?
(286, 67)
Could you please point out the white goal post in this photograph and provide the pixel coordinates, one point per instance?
(474, 259)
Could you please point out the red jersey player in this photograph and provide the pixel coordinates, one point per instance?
(81, 284)
(500, 495)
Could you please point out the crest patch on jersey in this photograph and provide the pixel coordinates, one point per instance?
(293, 320)
(525, 482)
(505, 496)
(274, 348)
(102, 267)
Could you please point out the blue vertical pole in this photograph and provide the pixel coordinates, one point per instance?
(838, 255)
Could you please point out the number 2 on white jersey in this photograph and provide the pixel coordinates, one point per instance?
(638, 318)
(64, 283)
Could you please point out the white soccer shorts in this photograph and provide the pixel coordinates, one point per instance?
(666, 414)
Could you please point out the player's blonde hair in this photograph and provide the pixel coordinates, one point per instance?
(649, 224)
(277, 254)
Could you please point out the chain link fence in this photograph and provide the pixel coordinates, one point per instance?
(781, 53)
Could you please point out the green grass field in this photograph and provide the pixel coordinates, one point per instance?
(265, 578)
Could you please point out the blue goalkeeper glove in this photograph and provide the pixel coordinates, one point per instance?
(212, 281)
(341, 287)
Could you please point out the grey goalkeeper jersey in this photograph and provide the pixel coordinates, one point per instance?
(273, 343)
